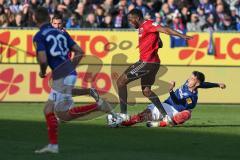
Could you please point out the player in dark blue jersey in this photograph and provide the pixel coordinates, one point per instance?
(52, 47)
(178, 105)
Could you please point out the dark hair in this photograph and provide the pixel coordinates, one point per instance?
(136, 12)
(41, 15)
(200, 76)
(57, 16)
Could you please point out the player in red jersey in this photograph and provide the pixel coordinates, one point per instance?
(148, 65)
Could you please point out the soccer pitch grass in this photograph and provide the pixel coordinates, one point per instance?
(213, 133)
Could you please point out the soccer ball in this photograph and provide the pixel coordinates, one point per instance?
(114, 120)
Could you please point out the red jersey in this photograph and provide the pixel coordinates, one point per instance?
(149, 41)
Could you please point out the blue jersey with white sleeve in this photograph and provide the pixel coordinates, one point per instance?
(182, 98)
(56, 44)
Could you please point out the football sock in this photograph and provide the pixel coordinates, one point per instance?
(133, 120)
(52, 126)
(122, 92)
(82, 110)
(156, 101)
(181, 117)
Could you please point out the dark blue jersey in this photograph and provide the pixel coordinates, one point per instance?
(57, 45)
(182, 98)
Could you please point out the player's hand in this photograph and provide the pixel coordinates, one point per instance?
(172, 85)
(222, 85)
(41, 75)
(186, 37)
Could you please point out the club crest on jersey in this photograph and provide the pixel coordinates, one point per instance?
(189, 101)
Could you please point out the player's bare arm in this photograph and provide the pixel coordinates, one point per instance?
(78, 54)
(42, 60)
(172, 85)
(172, 32)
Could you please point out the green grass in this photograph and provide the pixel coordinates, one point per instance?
(213, 133)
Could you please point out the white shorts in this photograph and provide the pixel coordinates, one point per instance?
(156, 115)
(61, 92)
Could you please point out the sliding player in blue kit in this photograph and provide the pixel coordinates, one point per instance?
(178, 105)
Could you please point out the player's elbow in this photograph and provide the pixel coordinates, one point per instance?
(43, 64)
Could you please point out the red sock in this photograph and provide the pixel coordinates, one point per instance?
(81, 110)
(133, 120)
(182, 117)
(52, 125)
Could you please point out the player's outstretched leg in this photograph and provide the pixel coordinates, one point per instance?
(52, 126)
(181, 117)
(177, 119)
(85, 91)
(145, 115)
(147, 92)
(122, 93)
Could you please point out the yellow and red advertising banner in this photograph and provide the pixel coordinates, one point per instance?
(21, 83)
(16, 46)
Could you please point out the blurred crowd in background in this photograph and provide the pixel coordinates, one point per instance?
(184, 15)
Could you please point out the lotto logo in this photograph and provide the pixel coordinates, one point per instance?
(8, 83)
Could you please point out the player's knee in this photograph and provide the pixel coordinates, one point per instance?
(147, 92)
(182, 117)
(49, 107)
(63, 116)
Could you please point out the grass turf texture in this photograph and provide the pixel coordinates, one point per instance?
(213, 133)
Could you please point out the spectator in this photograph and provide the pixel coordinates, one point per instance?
(152, 11)
(172, 6)
(209, 26)
(131, 7)
(165, 14)
(142, 7)
(220, 16)
(201, 16)
(107, 6)
(34, 4)
(73, 22)
(1, 9)
(234, 17)
(194, 25)
(207, 7)
(122, 5)
(2, 2)
(158, 19)
(62, 10)
(231, 3)
(177, 22)
(226, 12)
(227, 24)
(185, 14)
(69, 5)
(99, 16)
(18, 21)
(80, 10)
(90, 21)
(4, 21)
(50, 5)
(15, 6)
(108, 21)
(237, 7)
